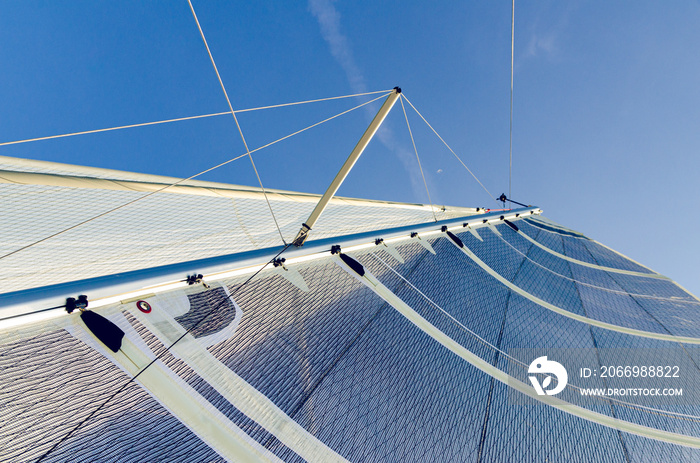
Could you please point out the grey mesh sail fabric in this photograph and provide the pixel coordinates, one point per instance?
(424, 355)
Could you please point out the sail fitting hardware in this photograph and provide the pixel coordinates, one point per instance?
(349, 261)
(196, 279)
(290, 274)
(511, 224)
(302, 235)
(107, 332)
(452, 236)
(80, 304)
(423, 242)
(306, 227)
(503, 199)
(389, 249)
(472, 231)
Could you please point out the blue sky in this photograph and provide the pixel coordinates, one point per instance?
(606, 119)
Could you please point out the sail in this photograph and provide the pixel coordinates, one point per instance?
(387, 337)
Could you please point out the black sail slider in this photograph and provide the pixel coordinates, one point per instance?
(510, 224)
(453, 237)
(103, 329)
(353, 264)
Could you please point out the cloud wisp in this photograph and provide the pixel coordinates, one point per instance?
(328, 19)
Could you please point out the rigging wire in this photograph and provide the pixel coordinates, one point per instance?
(238, 126)
(160, 355)
(311, 126)
(512, 54)
(448, 147)
(189, 178)
(312, 101)
(432, 209)
(144, 124)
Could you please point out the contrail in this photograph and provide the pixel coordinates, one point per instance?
(329, 22)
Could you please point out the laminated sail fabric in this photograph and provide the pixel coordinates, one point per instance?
(192, 220)
(424, 355)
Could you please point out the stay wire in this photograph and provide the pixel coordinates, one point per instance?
(512, 54)
(432, 209)
(188, 178)
(448, 146)
(311, 101)
(160, 355)
(142, 124)
(311, 126)
(238, 126)
(188, 118)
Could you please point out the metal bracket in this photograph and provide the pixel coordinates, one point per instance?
(72, 303)
(196, 279)
(389, 249)
(423, 242)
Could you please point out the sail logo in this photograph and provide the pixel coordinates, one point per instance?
(547, 367)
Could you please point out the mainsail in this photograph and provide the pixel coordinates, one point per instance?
(389, 336)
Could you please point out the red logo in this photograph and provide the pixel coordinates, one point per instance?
(144, 306)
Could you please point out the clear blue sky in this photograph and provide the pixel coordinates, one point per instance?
(607, 103)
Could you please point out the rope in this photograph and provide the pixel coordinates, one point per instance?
(112, 128)
(448, 146)
(238, 126)
(143, 124)
(459, 324)
(159, 356)
(308, 127)
(185, 179)
(419, 165)
(312, 101)
(512, 54)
